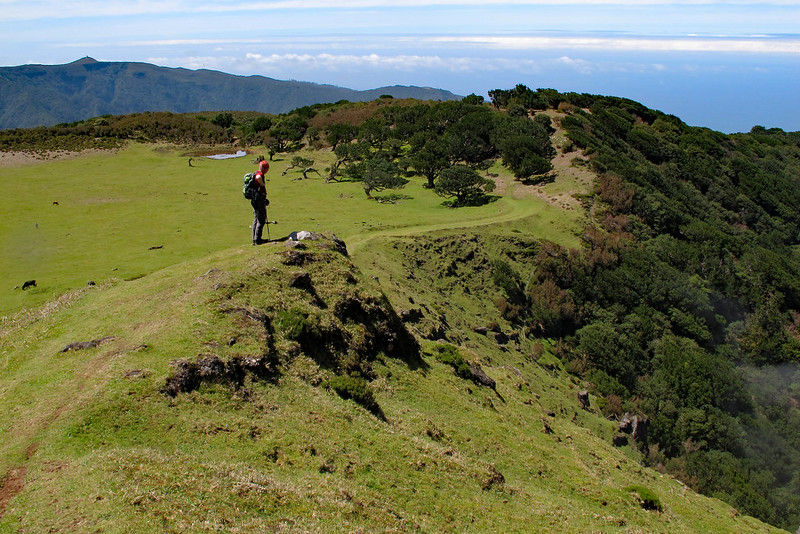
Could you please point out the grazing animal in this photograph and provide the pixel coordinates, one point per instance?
(29, 283)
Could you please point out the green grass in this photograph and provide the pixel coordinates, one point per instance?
(105, 450)
(114, 454)
(113, 207)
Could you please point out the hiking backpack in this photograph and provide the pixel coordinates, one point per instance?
(249, 185)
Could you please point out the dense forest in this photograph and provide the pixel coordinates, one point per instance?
(683, 304)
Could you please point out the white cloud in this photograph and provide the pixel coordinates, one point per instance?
(342, 61)
(55, 9)
(302, 64)
(770, 46)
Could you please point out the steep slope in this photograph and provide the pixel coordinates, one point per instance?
(250, 434)
(37, 95)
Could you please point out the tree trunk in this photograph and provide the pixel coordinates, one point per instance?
(334, 170)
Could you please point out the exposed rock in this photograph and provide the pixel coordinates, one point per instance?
(296, 257)
(413, 315)
(482, 330)
(188, 375)
(339, 245)
(301, 280)
(83, 345)
(634, 425)
(619, 440)
(480, 377)
(500, 338)
(547, 428)
(583, 399)
(639, 433)
(626, 424)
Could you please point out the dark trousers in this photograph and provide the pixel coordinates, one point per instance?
(259, 203)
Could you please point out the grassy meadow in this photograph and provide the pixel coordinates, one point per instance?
(113, 207)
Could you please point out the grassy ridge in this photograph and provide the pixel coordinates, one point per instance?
(105, 450)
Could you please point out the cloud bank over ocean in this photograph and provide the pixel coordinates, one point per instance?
(719, 64)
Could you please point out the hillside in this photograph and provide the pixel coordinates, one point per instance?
(44, 95)
(427, 377)
(106, 449)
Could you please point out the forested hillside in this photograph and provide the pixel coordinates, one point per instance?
(683, 304)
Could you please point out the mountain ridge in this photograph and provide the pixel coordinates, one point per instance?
(43, 95)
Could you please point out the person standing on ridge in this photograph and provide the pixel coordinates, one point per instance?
(260, 202)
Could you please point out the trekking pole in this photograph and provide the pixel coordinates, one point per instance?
(266, 223)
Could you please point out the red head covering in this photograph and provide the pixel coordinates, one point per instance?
(263, 166)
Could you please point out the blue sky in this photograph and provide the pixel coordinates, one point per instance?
(727, 65)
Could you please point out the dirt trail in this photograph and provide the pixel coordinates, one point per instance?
(11, 485)
(14, 481)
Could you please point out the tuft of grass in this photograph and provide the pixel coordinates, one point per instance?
(647, 498)
(356, 389)
(295, 323)
(448, 354)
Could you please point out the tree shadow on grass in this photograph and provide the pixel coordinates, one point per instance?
(542, 179)
(391, 198)
(477, 200)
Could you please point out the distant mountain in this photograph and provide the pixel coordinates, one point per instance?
(43, 95)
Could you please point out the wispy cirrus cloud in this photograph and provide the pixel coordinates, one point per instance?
(55, 9)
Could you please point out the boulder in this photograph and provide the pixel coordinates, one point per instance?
(83, 345)
(480, 377)
(634, 425)
(500, 338)
(413, 315)
(583, 399)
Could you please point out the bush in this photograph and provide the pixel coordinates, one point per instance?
(295, 324)
(223, 120)
(356, 389)
(647, 498)
(448, 354)
(261, 124)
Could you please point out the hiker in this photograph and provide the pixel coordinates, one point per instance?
(260, 202)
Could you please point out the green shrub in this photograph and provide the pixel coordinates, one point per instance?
(356, 389)
(647, 498)
(295, 323)
(448, 354)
